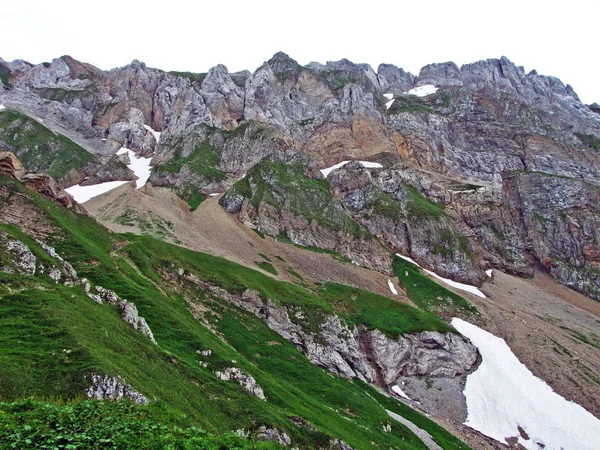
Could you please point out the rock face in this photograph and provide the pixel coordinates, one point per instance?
(561, 221)
(285, 195)
(38, 182)
(401, 216)
(485, 118)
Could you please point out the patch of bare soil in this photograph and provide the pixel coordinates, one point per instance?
(210, 229)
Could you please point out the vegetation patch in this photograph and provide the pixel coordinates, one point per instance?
(336, 80)
(267, 267)
(420, 207)
(39, 149)
(202, 162)
(31, 424)
(193, 77)
(4, 75)
(286, 187)
(590, 140)
(148, 223)
(426, 293)
(295, 274)
(375, 311)
(409, 103)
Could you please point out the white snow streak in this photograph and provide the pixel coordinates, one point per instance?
(454, 284)
(140, 166)
(214, 194)
(390, 98)
(82, 194)
(400, 392)
(489, 272)
(392, 287)
(423, 91)
(2, 107)
(367, 164)
(503, 394)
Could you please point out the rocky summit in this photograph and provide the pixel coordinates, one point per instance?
(296, 225)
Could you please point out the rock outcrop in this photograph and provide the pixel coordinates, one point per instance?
(244, 380)
(285, 195)
(352, 352)
(129, 312)
(104, 387)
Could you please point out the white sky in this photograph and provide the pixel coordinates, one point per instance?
(555, 38)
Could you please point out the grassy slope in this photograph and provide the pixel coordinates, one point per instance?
(426, 293)
(40, 324)
(40, 149)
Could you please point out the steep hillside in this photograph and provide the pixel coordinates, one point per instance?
(71, 333)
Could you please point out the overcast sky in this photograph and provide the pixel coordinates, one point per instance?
(555, 38)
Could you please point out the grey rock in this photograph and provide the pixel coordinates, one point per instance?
(104, 387)
(244, 380)
(265, 433)
(21, 260)
(129, 312)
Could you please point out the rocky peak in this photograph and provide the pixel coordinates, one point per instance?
(394, 80)
(283, 66)
(440, 74)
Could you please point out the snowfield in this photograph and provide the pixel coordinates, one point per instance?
(454, 284)
(423, 91)
(503, 395)
(140, 166)
(82, 194)
(367, 164)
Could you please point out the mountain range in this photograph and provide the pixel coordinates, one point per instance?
(250, 233)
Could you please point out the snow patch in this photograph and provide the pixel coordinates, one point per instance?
(366, 164)
(390, 98)
(423, 91)
(2, 107)
(139, 166)
(82, 194)
(400, 392)
(392, 287)
(454, 284)
(156, 134)
(214, 194)
(490, 273)
(502, 395)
